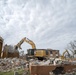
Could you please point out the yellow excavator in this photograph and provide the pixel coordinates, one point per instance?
(63, 55)
(32, 53)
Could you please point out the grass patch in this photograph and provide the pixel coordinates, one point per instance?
(20, 72)
(6, 73)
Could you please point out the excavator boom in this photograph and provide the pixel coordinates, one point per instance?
(25, 40)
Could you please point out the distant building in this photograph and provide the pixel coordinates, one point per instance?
(53, 53)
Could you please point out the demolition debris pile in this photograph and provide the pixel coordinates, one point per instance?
(13, 64)
(45, 67)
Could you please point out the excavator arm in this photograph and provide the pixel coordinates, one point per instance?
(65, 52)
(25, 40)
(63, 55)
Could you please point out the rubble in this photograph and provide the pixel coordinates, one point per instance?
(33, 65)
(11, 64)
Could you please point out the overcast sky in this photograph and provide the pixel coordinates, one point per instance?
(48, 23)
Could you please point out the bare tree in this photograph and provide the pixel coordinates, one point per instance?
(72, 47)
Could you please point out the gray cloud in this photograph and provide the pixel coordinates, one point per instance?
(50, 24)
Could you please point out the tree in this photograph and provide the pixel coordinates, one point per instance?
(72, 47)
